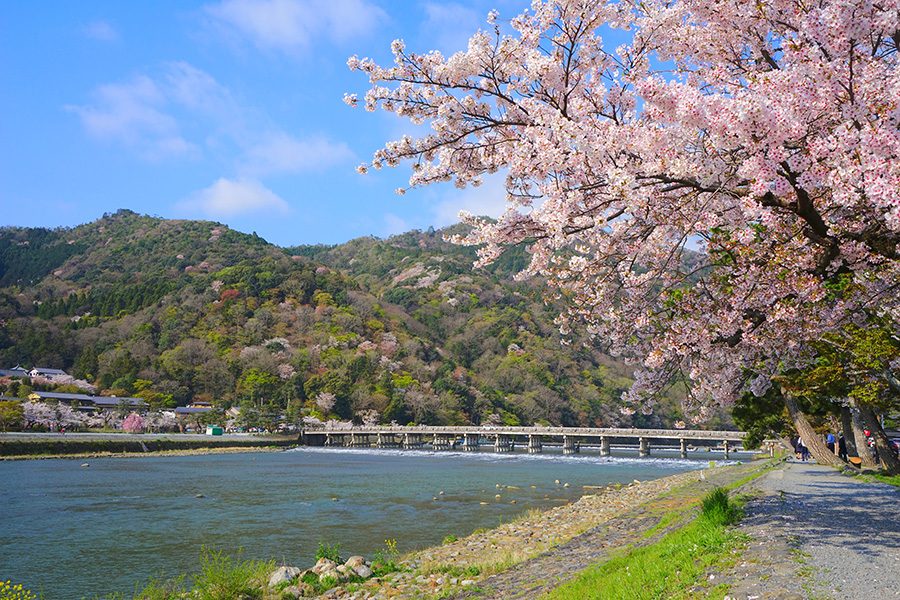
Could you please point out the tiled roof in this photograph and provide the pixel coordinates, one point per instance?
(104, 401)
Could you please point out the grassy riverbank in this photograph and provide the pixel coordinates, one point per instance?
(668, 568)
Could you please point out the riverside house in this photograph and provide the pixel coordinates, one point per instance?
(88, 403)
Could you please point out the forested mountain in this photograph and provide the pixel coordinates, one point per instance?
(399, 329)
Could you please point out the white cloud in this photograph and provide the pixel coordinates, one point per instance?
(278, 152)
(102, 31)
(133, 114)
(293, 26)
(450, 25)
(488, 199)
(196, 90)
(394, 224)
(156, 116)
(228, 198)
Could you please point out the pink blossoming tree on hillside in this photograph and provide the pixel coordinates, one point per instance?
(133, 423)
(767, 133)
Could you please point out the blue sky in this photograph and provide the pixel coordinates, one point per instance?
(229, 110)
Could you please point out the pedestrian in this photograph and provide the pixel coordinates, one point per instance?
(842, 448)
(829, 441)
(804, 451)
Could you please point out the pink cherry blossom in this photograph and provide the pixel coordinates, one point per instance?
(765, 135)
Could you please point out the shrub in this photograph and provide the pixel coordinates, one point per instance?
(331, 552)
(386, 561)
(450, 539)
(717, 508)
(222, 576)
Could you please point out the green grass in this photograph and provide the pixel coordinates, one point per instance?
(877, 477)
(889, 479)
(667, 519)
(221, 576)
(666, 569)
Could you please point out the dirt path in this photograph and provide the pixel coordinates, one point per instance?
(819, 534)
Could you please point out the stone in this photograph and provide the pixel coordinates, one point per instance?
(300, 590)
(467, 582)
(322, 565)
(362, 571)
(282, 574)
(355, 561)
(332, 572)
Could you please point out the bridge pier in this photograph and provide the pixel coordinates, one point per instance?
(503, 443)
(411, 440)
(534, 444)
(683, 445)
(604, 446)
(441, 442)
(570, 445)
(725, 446)
(643, 447)
(470, 442)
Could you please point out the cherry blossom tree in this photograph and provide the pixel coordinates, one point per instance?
(133, 423)
(325, 401)
(763, 135)
(52, 416)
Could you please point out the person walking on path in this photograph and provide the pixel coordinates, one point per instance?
(829, 441)
(842, 448)
(803, 450)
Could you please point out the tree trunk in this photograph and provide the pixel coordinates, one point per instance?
(885, 452)
(847, 429)
(862, 445)
(813, 440)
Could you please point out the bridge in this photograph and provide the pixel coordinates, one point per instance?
(505, 439)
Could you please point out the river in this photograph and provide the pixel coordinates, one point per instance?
(70, 531)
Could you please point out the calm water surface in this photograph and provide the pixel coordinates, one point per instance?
(72, 532)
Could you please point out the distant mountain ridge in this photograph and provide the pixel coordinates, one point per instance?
(397, 329)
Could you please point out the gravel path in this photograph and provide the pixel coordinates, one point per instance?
(819, 534)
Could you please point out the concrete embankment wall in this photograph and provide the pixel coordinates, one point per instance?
(62, 446)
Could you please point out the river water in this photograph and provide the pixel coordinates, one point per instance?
(70, 531)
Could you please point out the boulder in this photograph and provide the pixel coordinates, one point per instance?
(363, 571)
(343, 569)
(326, 573)
(300, 590)
(282, 574)
(324, 564)
(355, 561)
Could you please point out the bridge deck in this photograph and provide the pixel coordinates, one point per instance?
(551, 432)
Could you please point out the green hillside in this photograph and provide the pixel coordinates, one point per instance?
(399, 329)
